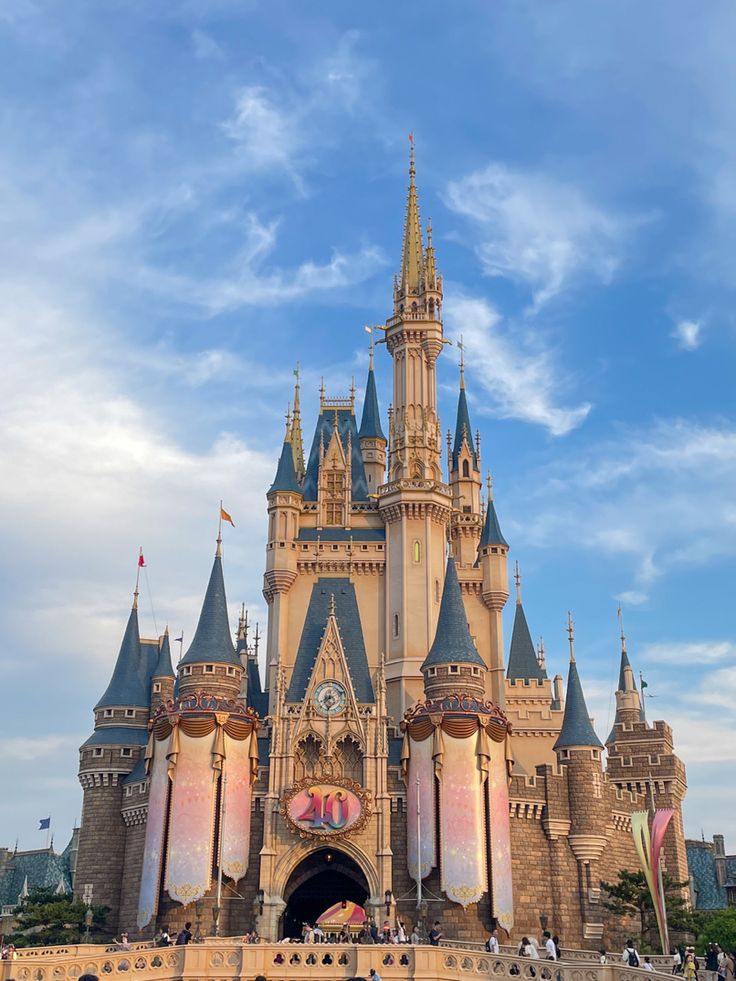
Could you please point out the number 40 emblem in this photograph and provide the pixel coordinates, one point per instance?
(326, 809)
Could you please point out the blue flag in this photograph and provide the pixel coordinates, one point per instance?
(44, 823)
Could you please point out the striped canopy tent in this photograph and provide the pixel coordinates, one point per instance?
(342, 914)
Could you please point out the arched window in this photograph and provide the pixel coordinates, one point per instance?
(436, 590)
(307, 757)
(396, 624)
(349, 758)
(417, 552)
(466, 468)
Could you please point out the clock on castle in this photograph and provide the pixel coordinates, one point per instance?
(397, 754)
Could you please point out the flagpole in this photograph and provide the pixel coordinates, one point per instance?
(219, 849)
(419, 849)
(48, 834)
(219, 525)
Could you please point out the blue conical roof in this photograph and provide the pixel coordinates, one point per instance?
(463, 431)
(577, 729)
(452, 641)
(285, 479)
(212, 642)
(491, 534)
(523, 663)
(129, 683)
(370, 423)
(163, 667)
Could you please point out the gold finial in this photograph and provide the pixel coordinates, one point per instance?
(461, 347)
(352, 391)
(621, 630)
(322, 391)
(218, 550)
(429, 233)
(571, 636)
(335, 420)
(288, 421)
(489, 485)
(256, 640)
(412, 169)
(333, 606)
(517, 580)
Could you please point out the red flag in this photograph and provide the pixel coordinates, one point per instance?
(141, 560)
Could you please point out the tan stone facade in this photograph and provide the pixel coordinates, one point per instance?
(354, 580)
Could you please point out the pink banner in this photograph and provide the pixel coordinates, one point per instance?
(660, 823)
(500, 836)
(191, 822)
(236, 808)
(153, 848)
(420, 847)
(462, 824)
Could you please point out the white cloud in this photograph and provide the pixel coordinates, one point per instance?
(33, 748)
(632, 597)
(263, 131)
(521, 381)
(537, 230)
(688, 653)
(687, 333)
(659, 496)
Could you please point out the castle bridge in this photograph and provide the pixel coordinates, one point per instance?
(219, 960)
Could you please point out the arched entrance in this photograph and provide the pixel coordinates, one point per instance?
(323, 878)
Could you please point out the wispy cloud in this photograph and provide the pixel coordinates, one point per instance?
(688, 334)
(659, 496)
(537, 230)
(688, 653)
(632, 597)
(33, 748)
(521, 380)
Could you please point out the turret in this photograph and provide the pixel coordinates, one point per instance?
(372, 440)
(105, 759)
(453, 665)
(493, 553)
(211, 663)
(463, 465)
(525, 665)
(163, 677)
(629, 707)
(285, 497)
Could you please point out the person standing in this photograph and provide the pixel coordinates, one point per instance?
(711, 962)
(676, 961)
(435, 934)
(630, 955)
(550, 951)
(414, 937)
(185, 935)
(648, 966)
(492, 943)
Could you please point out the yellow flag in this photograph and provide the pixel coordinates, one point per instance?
(225, 516)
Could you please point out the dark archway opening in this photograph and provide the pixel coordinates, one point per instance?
(324, 878)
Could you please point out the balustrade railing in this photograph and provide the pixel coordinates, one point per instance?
(296, 962)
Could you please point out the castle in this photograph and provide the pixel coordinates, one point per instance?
(392, 757)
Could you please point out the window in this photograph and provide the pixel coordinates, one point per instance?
(156, 687)
(436, 590)
(126, 751)
(187, 669)
(396, 624)
(454, 669)
(130, 713)
(307, 756)
(128, 791)
(231, 671)
(334, 513)
(335, 487)
(417, 552)
(108, 713)
(209, 669)
(97, 751)
(466, 468)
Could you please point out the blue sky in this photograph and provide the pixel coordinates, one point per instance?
(194, 196)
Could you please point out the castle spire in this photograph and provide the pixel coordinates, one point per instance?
(129, 682)
(412, 255)
(452, 641)
(491, 529)
(163, 667)
(524, 665)
(286, 478)
(463, 429)
(577, 729)
(370, 423)
(295, 429)
(212, 643)
(629, 702)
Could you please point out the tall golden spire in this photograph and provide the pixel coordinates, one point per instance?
(430, 266)
(295, 431)
(412, 253)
